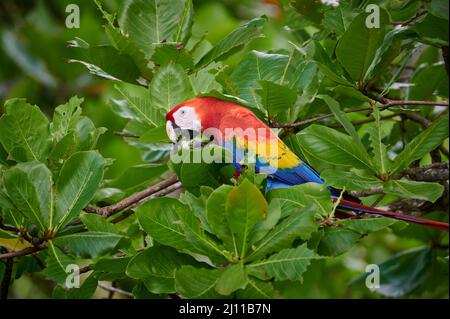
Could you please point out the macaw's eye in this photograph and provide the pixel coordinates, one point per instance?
(183, 112)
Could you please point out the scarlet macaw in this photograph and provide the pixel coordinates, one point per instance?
(230, 125)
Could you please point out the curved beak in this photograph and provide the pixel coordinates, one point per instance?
(170, 130)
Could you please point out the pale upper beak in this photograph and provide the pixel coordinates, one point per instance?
(171, 131)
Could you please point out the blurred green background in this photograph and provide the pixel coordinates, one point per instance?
(33, 65)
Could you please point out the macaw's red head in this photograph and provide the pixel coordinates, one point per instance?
(196, 115)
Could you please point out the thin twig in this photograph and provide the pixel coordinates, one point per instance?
(126, 134)
(115, 290)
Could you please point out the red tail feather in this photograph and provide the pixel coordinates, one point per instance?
(410, 219)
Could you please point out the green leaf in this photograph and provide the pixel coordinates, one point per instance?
(217, 220)
(77, 183)
(65, 118)
(333, 147)
(256, 66)
(142, 107)
(138, 176)
(381, 160)
(357, 47)
(109, 269)
(170, 86)
(197, 283)
(160, 262)
(245, 207)
(172, 52)
(24, 131)
(90, 244)
(155, 135)
(275, 98)
(336, 241)
(416, 190)
(343, 119)
(159, 217)
(85, 291)
(304, 196)
(263, 227)
(151, 22)
(422, 144)
(56, 264)
(234, 41)
(204, 80)
(366, 225)
(256, 289)
(232, 279)
(288, 264)
(439, 8)
(433, 30)
(96, 223)
(29, 187)
(309, 9)
(353, 180)
(105, 61)
(404, 272)
(300, 224)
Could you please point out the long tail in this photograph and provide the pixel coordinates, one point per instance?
(410, 219)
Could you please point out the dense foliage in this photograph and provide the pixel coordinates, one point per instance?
(366, 107)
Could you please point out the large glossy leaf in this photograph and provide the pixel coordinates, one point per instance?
(403, 273)
(65, 118)
(215, 208)
(304, 196)
(411, 189)
(105, 61)
(77, 183)
(245, 206)
(275, 98)
(170, 86)
(159, 217)
(288, 264)
(333, 147)
(152, 22)
(300, 224)
(336, 241)
(357, 47)
(88, 244)
(138, 176)
(234, 41)
(24, 131)
(433, 30)
(257, 66)
(142, 107)
(233, 278)
(56, 264)
(381, 160)
(256, 289)
(352, 180)
(29, 187)
(366, 225)
(197, 283)
(422, 144)
(161, 262)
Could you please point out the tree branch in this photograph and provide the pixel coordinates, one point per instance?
(133, 199)
(6, 282)
(24, 252)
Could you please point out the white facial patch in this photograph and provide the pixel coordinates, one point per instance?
(186, 118)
